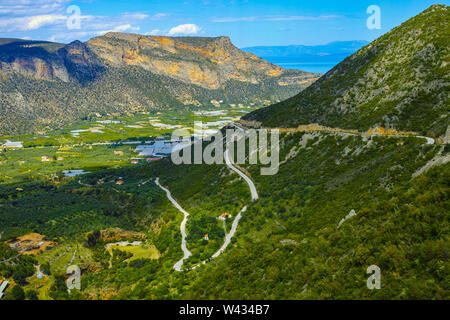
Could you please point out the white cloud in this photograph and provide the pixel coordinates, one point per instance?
(159, 16)
(38, 21)
(50, 16)
(141, 16)
(35, 22)
(31, 22)
(184, 29)
(31, 7)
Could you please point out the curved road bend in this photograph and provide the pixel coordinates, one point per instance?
(235, 224)
(249, 181)
(186, 252)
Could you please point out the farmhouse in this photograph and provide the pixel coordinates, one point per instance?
(224, 216)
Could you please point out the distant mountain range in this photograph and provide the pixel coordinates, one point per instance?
(320, 58)
(332, 48)
(45, 85)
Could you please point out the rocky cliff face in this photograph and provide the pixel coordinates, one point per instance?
(31, 59)
(118, 71)
(81, 63)
(207, 62)
(50, 61)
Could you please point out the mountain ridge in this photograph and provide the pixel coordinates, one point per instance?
(46, 85)
(335, 47)
(398, 81)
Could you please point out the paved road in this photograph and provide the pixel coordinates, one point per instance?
(230, 235)
(186, 252)
(429, 140)
(235, 224)
(249, 181)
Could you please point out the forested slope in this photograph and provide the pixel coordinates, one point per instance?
(400, 80)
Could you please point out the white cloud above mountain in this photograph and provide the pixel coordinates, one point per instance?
(184, 29)
(121, 28)
(39, 21)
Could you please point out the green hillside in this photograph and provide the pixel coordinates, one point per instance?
(340, 202)
(400, 81)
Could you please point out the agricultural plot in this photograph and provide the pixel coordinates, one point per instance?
(104, 142)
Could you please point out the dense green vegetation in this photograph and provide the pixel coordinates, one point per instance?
(61, 212)
(292, 247)
(288, 245)
(15, 266)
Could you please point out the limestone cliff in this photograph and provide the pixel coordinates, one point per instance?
(50, 84)
(207, 62)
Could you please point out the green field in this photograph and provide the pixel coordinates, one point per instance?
(144, 251)
(45, 155)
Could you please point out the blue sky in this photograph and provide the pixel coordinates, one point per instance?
(246, 22)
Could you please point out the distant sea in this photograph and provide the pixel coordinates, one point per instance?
(309, 63)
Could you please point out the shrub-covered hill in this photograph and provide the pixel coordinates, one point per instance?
(288, 244)
(400, 81)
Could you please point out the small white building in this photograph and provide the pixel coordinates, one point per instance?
(12, 145)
